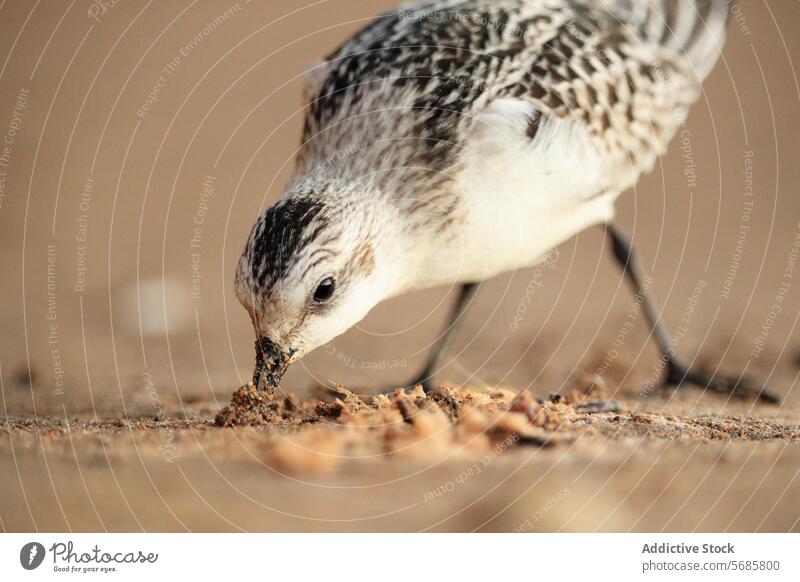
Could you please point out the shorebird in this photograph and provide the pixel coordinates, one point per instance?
(452, 141)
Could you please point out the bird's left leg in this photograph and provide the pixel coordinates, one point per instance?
(466, 293)
(677, 373)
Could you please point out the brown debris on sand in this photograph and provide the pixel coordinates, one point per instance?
(252, 407)
(318, 434)
(407, 423)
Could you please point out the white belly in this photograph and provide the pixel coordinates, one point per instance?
(523, 197)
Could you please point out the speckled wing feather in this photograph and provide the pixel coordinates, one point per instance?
(410, 84)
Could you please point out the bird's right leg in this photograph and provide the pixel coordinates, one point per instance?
(677, 374)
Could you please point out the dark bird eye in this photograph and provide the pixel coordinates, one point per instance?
(325, 290)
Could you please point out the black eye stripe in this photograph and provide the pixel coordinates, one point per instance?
(324, 254)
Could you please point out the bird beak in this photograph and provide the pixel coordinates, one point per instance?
(271, 363)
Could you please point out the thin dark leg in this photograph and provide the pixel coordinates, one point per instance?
(677, 373)
(464, 295)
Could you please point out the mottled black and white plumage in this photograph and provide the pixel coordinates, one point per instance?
(451, 141)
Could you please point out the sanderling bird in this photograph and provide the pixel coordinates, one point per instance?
(451, 141)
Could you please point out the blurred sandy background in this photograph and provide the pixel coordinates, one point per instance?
(142, 139)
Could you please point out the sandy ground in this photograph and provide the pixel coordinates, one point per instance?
(674, 462)
(120, 227)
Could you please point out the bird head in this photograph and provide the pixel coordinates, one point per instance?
(313, 266)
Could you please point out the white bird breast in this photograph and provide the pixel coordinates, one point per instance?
(524, 196)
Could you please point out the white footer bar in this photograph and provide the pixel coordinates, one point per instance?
(401, 557)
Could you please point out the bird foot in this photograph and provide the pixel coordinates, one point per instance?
(679, 375)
